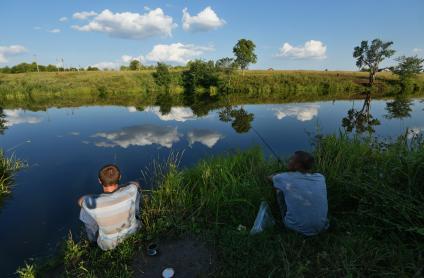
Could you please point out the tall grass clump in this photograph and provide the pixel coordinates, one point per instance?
(376, 212)
(8, 166)
(385, 181)
(27, 271)
(219, 192)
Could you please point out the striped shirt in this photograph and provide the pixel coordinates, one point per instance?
(112, 215)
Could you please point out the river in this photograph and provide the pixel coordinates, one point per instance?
(65, 147)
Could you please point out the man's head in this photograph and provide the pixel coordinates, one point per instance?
(109, 175)
(301, 161)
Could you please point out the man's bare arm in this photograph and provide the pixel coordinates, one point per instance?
(136, 183)
(80, 200)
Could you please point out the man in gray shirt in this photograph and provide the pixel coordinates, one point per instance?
(302, 195)
(110, 217)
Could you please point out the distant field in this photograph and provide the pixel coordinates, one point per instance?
(352, 74)
(78, 78)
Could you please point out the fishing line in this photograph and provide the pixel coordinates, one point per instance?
(267, 145)
(18, 145)
(263, 139)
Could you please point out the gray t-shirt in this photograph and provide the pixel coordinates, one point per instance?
(306, 200)
(112, 215)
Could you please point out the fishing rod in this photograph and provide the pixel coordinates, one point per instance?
(268, 146)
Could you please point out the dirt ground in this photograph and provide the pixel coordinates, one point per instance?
(187, 256)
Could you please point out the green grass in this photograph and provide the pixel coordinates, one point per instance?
(8, 166)
(27, 271)
(376, 211)
(38, 90)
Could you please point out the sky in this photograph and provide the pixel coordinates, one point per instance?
(288, 34)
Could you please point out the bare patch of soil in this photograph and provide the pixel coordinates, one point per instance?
(187, 256)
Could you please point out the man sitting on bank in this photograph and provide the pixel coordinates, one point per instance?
(302, 195)
(110, 217)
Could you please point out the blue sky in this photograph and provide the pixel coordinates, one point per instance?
(287, 34)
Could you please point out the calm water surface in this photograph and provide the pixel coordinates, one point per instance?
(65, 148)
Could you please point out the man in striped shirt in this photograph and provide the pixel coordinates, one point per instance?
(110, 217)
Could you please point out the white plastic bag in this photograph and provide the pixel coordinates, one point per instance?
(263, 219)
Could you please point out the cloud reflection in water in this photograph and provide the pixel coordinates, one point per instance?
(19, 116)
(179, 114)
(302, 113)
(140, 135)
(204, 136)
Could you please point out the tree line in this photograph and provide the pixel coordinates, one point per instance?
(34, 67)
(244, 49)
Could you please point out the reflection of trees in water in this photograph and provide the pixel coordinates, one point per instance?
(360, 120)
(164, 101)
(201, 105)
(399, 108)
(3, 121)
(240, 119)
(225, 114)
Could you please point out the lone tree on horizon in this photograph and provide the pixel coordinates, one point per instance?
(135, 65)
(370, 56)
(244, 50)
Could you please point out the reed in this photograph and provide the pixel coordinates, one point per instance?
(8, 166)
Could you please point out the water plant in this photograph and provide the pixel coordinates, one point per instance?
(8, 166)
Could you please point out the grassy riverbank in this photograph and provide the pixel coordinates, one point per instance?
(376, 210)
(138, 87)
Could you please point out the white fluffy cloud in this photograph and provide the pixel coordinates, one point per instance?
(416, 50)
(302, 113)
(179, 114)
(141, 135)
(130, 25)
(203, 21)
(11, 50)
(63, 19)
(18, 116)
(54, 31)
(204, 136)
(84, 15)
(311, 49)
(107, 65)
(129, 58)
(176, 53)
(125, 59)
